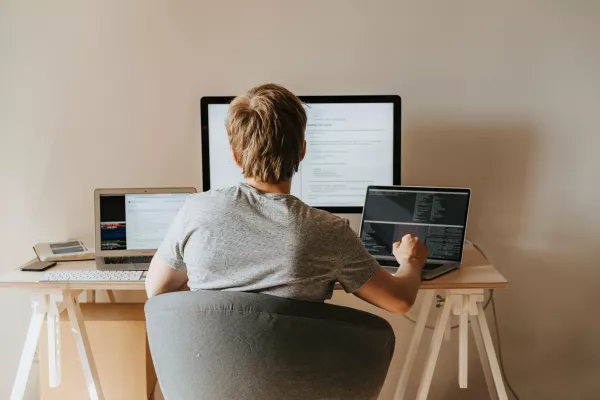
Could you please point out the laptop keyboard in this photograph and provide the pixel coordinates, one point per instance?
(128, 260)
(394, 268)
(432, 265)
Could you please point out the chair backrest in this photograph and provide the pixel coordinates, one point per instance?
(232, 345)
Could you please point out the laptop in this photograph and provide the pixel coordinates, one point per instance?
(438, 216)
(130, 224)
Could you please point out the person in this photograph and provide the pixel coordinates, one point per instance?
(257, 237)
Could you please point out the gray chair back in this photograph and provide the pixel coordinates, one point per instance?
(219, 345)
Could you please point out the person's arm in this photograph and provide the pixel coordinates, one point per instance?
(397, 293)
(163, 278)
(168, 271)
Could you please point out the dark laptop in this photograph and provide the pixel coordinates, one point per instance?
(438, 216)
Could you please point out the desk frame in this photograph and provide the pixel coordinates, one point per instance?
(467, 304)
(463, 290)
(48, 305)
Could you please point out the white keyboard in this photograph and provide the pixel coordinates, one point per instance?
(91, 276)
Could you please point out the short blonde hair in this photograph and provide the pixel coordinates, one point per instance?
(266, 132)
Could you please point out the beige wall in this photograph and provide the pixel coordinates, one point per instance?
(501, 96)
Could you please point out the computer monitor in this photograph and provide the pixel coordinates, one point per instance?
(352, 142)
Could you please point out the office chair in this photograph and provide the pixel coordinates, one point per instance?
(218, 345)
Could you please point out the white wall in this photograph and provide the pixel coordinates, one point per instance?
(501, 96)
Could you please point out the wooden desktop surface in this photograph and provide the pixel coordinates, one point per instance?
(475, 273)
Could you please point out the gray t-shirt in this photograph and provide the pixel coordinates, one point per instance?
(241, 239)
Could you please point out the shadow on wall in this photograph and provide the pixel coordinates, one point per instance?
(549, 336)
(492, 158)
(547, 319)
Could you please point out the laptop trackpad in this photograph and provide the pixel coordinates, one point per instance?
(141, 266)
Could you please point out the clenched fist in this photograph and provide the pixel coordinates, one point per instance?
(410, 249)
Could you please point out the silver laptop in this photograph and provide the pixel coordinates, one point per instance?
(130, 224)
(438, 216)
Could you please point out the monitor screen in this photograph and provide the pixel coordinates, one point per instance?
(352, 142)
(137, 221)
(437, 216)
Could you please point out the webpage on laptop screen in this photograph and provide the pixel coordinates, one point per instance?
(149, 217)
(137, 221)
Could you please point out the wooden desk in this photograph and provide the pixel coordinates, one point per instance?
(49, 300)
(463, 290)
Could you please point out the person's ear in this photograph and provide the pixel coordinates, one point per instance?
(235, 158)
(303, 151)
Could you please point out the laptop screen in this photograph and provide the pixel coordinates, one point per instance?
(137, 221)
(437, 216)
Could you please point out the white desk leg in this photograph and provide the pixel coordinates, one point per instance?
(83, 347)
(485, 362)
(491, 353)
(40, 307)
(463, 342)
(409, 360)
(448, 331)
(53, 326)
(111, 296)
(434, 350)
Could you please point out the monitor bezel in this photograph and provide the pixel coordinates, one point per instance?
(396, 100)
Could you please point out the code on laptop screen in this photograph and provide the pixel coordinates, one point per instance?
(437, 218)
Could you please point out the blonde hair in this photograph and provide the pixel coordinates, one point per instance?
(266, 132)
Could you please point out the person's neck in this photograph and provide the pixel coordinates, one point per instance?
(284, 187)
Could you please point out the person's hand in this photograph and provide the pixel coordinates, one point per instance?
(410, 251)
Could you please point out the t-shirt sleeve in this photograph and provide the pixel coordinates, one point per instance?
(358, 266)
(171, 248)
